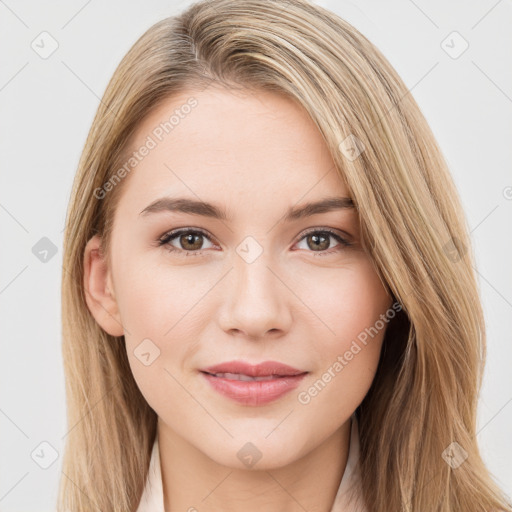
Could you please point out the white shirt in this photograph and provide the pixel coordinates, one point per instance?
(153, 497)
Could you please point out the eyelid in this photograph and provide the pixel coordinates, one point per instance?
(338, 232)
(178, 231)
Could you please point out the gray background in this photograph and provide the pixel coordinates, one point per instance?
(48, 105)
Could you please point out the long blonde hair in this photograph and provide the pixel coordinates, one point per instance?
(419, 416)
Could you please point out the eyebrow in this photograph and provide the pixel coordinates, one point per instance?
(205, 209)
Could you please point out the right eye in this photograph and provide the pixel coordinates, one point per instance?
(190, 240)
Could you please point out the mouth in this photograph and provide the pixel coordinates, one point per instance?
(271, 369)
(253, 385)
(249, 378)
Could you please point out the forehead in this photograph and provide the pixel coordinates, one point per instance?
(221, 143)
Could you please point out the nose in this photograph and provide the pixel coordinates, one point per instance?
(258, 302)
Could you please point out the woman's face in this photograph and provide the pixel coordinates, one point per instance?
(243, 280)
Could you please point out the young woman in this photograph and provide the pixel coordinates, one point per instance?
(268, 294)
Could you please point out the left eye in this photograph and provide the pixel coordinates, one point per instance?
(191, 241)
(319, 241)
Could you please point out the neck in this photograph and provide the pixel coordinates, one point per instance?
(193, 482)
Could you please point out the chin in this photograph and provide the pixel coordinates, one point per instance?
(255, 453)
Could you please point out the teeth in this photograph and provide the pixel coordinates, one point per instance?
(237, 376)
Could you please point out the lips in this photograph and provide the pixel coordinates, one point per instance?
(253, 385)
(240, 369)
(246, 378)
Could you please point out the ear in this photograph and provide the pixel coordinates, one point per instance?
(99, 292)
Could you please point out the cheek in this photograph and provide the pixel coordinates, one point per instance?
(347, 301)
(154, 299)
(352, 305)
(162, 313)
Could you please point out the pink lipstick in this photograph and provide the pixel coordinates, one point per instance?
(253, 384)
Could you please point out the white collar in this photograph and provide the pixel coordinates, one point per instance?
(153, 497)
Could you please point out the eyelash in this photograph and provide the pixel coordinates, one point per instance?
(171, 235)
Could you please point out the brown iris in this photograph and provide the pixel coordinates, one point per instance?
(320, 241)
(192, 241)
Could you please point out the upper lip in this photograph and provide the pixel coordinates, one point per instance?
(258, 370)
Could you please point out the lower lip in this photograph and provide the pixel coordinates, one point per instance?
(254, 392)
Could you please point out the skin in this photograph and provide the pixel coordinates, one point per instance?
(255, 155)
